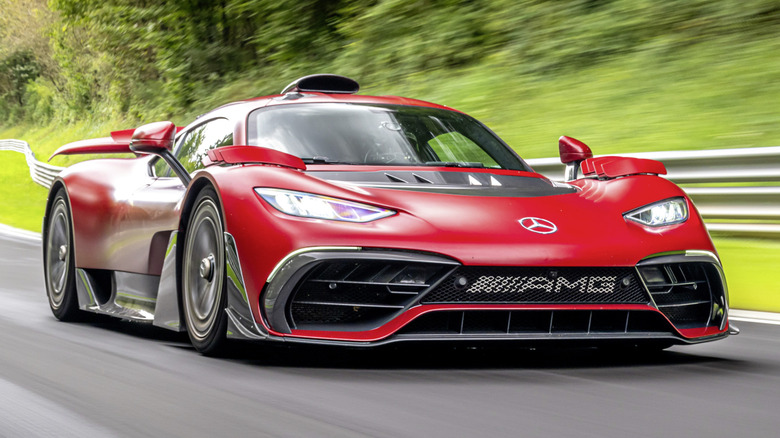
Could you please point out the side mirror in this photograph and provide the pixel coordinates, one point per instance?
(154, 138)
(573, 152)
(157, 139)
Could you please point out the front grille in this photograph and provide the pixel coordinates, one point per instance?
(330, 314)
(532, 285)
(689, 294)
(538, 322)
(359, 294)
(363, 294)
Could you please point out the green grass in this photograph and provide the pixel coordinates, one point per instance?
(751, 268)
(21, 201)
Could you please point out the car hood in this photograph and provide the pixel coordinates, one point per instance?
(498, 215)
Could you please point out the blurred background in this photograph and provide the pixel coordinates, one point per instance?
(621, 75)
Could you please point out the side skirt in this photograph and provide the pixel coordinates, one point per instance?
(121, 294)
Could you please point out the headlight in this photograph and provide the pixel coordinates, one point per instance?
(321, 207)
(668, 212)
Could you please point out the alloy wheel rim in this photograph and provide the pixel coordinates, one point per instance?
(58, 254)
(203, 293)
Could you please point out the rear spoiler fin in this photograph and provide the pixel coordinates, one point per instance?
(117, 143)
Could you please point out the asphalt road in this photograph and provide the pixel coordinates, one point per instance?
(128, 379)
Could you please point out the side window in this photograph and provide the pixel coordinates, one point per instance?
(196, 143)
(161, 167)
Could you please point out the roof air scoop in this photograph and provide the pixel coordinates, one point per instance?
(323, 83)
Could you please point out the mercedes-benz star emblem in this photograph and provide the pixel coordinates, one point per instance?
(538, 225)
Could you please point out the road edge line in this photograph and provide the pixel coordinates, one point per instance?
(754, 316)
(19, 233)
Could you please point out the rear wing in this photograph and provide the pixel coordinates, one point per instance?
(119, 142)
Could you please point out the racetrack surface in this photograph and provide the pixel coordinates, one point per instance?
(127, 379)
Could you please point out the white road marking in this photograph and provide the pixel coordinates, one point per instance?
(19, 234)
(754, 316)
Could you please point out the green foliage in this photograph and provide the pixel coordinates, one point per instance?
(188, 46)
(40, 102)
(16, 71)
(135, 59)
(395, 38)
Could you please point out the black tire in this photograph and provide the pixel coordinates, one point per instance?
(59, 262)
(203, 277)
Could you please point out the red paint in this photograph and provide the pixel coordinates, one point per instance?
(153, 136)
(572, 150)
(105, 145)
(117, 209)
(123, 136)
(253, 154)
(613, 167)
(700, 332)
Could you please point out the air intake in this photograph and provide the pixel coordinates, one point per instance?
(323, 83)
(689, 294)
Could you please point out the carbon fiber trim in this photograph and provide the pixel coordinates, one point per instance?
(539, 323)
(531, 285)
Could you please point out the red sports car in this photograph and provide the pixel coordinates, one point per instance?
(322, 216)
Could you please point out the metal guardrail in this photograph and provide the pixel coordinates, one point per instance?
(41, 173)
(750, 210)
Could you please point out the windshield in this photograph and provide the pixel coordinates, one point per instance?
(379, 135)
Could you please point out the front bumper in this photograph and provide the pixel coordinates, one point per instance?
(355, 296)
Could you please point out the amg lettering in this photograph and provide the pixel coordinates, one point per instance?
(601, 284)
(578, 285)
(542, 284)
(489, 284)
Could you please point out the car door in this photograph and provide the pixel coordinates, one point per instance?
(157, 206)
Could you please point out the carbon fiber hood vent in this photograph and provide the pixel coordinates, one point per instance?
(454, 183)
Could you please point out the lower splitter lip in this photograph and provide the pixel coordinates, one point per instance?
(397, 329)
(582, 340)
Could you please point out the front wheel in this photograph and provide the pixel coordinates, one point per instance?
(59, 262)
(203, 276)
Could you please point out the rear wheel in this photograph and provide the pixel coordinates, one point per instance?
(203, 276)
(59, 261)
